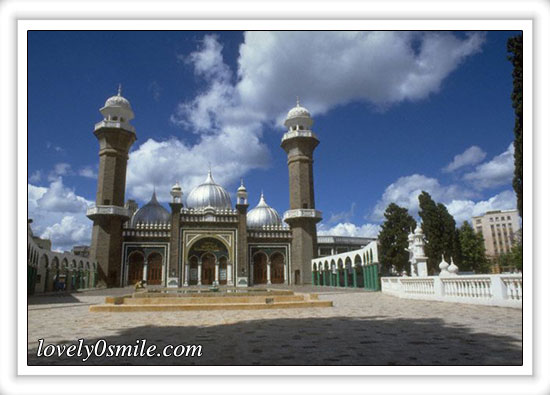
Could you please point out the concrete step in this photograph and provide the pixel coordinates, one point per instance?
(213, 306)
(212, 300)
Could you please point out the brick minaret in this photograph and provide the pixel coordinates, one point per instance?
(115, 136)
(299, 142)
(174, 268)
(241, 267)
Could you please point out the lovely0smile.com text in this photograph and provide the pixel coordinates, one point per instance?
(101, 348)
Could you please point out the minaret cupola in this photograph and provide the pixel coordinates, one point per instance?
(117, 109)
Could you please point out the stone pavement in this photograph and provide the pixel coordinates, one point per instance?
(363, 328)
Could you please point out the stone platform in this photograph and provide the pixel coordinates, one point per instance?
(192, 300)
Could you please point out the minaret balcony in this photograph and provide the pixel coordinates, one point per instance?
(108, 210)
(302, 213)
(298, 134)
(114, 125)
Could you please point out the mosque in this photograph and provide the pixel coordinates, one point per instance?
(205, 239)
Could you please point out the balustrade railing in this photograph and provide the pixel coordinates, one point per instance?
(492, 289)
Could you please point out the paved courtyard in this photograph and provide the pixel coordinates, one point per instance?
(363, 328)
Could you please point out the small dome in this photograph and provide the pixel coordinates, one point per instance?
(209, 194)
(176, 187)
(298, 111)
(152, 212)
(118, 100)
(298, 118)
(262, 215)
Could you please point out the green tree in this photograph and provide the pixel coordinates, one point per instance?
(393, 237)
(515, 50)
(439, 229)
(472, 246)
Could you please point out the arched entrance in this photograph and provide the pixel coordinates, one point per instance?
(154, 269)
(135, 267)
(277, 268)
(212, 254)
(208, 268)
(260, 268)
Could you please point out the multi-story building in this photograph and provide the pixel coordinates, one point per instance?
(500, 230)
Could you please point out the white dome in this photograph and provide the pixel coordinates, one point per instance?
(298, 111)
(209, 194)
(118, 100)
(262, 215)
(298, 118)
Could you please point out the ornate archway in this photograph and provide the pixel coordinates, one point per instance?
(209, 253)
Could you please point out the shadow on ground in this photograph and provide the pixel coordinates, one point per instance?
(314, 341)
(52, 298)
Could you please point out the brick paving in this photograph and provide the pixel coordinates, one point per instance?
(363, 328)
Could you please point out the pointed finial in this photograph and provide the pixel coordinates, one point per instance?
(119, 89)
(242, 182)
(297, 101)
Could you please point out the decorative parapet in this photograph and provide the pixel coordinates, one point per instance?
(303, 213)
(492, 289)
(101, 210)
(156, 229)
(271, 232)
(299, 133)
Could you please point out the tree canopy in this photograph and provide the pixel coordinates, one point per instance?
(393, 237)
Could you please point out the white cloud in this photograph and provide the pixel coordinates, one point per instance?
(349, 229)
(344, 216)
(36, 176)
(60, 169)
(326, 69)
(70, 231)
(472, 156)
(58, 213)
(87, 172)
(496, 172)
(404, 192)
(464, 210)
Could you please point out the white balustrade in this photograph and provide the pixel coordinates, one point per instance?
(492, 289)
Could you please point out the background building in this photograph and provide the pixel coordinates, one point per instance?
(500, 230)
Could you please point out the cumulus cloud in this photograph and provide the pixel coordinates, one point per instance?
(70, 231)
(464, 210)
(326, 69)
(404, 192)
(87, 172)
(496, 172)
(349, 229)
(59, 214)
(472, 156)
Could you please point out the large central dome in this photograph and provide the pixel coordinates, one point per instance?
(209, 194)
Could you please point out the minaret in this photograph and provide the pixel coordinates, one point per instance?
(299, 142)
(241, 269)
(174, 267)
(115, 136)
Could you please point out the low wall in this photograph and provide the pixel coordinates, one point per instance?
(504, 290)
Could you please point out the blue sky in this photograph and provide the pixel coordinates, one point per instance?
(396, 113)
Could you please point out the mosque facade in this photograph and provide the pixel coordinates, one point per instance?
(204, 239)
